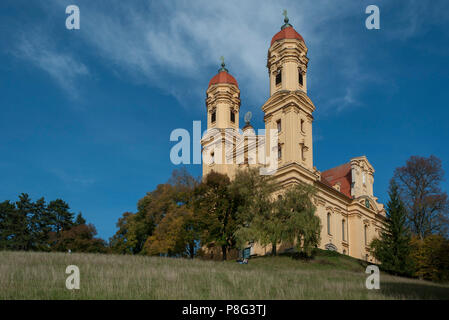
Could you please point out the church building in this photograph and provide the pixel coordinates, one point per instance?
(350, 214)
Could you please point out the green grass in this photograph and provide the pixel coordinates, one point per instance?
(29, 275)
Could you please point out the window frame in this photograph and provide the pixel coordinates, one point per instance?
(278, 77)
(279, 125)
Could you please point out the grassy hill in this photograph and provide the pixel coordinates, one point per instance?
(29, 275)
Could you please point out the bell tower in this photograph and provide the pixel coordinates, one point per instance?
(287, 60)
(223, 107)
(289, 109)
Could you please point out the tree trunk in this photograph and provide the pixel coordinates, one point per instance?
(223, 250)
(191, 250)
(273, 250)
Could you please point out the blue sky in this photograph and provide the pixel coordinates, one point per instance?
(86, 115)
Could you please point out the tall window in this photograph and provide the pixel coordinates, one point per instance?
(213, 116)
(343, 230)
(301, 79)
(279, 151)
(279, 126)
(278, 76)
(329, 223)
(232, 116)
(302, 125)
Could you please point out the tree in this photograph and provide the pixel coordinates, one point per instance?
(58, 210)
(216, 211)
(431, 257)
(8, 227)
(164, 222)
(259, 216)
(426, 204)
(119, 242)
(79, 238)
(392, 249)
(171, 237)
(80, 219)
(20, 224)
(304, 226)
(28, 225)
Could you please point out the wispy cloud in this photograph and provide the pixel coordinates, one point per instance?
(62, 67)
(70, 179)
(175, 45)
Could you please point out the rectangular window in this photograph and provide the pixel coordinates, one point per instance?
(343, 230)
(302, 125)
(213, 117)
(301, 80)
(279, 126)
(232, 116)
(278, 77)
(279, 151)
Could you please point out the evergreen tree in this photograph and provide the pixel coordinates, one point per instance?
(58, 210)
(80, 219)
(41, 224)
(21, 235)
(7, 232)
(393, 247)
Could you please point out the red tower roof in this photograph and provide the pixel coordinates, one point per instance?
(223, 77)
(286, 33)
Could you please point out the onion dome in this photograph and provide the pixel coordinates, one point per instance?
(287, 32)
(223, 76)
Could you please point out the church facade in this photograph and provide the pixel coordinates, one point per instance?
(350, 214)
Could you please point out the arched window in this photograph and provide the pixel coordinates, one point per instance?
(213, 116)
(344, 251)
(329, 223)
(300, 77)
(232, 116)
(343, 235)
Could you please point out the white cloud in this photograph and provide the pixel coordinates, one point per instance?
(175, 45)
(62, 67)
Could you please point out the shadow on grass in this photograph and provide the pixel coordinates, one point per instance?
(414, 290)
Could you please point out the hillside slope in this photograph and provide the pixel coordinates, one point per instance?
(29, 275)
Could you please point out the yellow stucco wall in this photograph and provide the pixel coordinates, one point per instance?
(289, 104)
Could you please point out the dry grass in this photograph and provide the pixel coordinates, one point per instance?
(28, 275)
